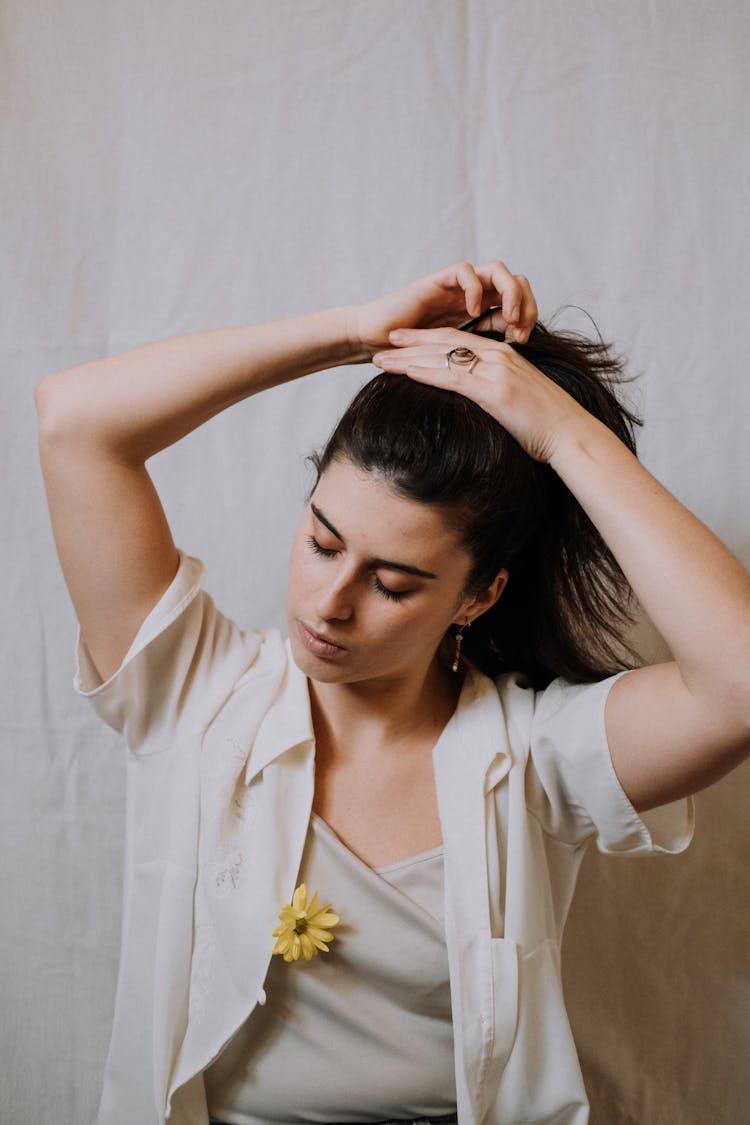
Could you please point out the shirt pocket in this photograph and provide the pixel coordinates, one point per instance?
(504, 961)
(542, 1079)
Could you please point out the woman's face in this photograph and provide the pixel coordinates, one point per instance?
(375, 580)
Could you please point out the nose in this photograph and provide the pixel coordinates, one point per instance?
(335, 601)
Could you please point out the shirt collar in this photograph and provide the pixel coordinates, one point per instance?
(287, 722)
(478, 720)
(480, 743)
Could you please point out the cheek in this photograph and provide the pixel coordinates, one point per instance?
(308, 574)
(410, 629)
(297, 578)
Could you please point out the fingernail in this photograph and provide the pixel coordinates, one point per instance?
(515, 313)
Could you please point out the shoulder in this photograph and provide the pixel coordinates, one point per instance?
(572, 787)
(186, 659)
(562, 713)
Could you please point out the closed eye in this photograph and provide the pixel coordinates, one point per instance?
(330, 552)
(326, 552)
(392, 595)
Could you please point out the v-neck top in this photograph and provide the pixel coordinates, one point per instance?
(363, 1032)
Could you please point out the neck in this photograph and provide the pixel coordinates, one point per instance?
(385, 713)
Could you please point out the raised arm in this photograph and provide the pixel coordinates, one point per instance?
(672, 728)
(100, 422)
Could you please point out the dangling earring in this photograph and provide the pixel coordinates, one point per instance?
(459, 635)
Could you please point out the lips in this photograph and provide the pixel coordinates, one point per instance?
(316, 643)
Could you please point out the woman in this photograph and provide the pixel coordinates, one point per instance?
(439, 815)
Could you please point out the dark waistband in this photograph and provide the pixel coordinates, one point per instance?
(445, 1119)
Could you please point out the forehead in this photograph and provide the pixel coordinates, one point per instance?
(364, 506)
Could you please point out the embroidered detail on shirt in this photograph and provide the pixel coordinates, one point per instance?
(228, 879)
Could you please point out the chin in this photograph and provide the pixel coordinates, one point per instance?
(315, 667)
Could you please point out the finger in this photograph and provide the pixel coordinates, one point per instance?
(442, 377)
(411, 337)
(493, 321)
(430, 369)
(529, 309)
(396, 359)
(496, 275)
(407, 361)
(472, 286)
(447, 379)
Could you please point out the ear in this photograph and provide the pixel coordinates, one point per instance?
(479, 603)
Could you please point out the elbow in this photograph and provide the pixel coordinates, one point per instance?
(45, 400)
(55, 402)
(73, 415)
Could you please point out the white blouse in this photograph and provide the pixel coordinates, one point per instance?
(220, 788)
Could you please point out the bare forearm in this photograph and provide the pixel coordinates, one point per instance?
(674, 727)
(137, 403)
(695, 591)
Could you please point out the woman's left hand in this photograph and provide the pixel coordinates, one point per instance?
(536, 411)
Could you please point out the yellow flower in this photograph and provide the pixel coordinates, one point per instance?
(305, 927)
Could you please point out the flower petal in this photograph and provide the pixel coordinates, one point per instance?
(319, 934)
(324, 918)
(313, 905)
(282, 944)
(299, 899)
(308, 947)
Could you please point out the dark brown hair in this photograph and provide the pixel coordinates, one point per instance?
(566, 605)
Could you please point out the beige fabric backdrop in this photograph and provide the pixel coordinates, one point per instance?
(169, 166)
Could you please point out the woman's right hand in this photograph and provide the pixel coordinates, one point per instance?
(446, 299)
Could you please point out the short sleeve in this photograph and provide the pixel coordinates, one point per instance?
(572, 786)
(181, 666)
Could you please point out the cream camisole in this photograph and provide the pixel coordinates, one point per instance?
(363, 1032)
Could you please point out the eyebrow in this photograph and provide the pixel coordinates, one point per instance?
(405, 567)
